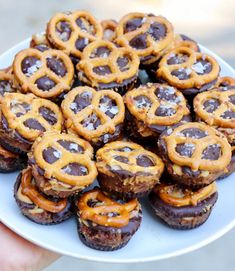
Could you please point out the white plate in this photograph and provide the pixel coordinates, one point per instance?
(153, 241)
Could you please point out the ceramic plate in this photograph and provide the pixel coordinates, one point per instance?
(153, 241)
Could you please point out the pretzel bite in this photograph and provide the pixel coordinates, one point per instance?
(104, 223)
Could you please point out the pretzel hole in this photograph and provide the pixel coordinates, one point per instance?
(174, 59)
(71, 146)
(81, 101)
(157, 31)
(211, 105)
(165, 110)
(45, 83)
(121, 159)
(142, 101)
(133, 24)
(144, 161)
(75, 169)
(101, 51)
(91, 122)
(85, 25)
(108, 106)
(57, 66)
(212, 152)
(185, 149)
(182, 74)
(229, 114)
(232, 99)
(81, 43)
(48, 115)
(34, 124)
(123, 63)
(30, 65)
(19, 108)
(63, 30)
(193, 133)
(139, 42)
(5, 86)
(202, 66)
(51, 155)
(102, 70)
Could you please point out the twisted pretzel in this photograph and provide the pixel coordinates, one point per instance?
(195, 161)
(89, 31)
(12, 107)
(190, 66)
(65, 157)
(109, 27)
(130, 152)
(100, 213)
(176, 196)
(147, 114)
(6, 81)
(216, 118)
(183, 41)
(75, 120)
(28, 81)
(29, 189)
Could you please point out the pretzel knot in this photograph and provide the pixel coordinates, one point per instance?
(184, 68)
(73, 31)
(103, 62)
(198, 139)
(92, 113)
(156, 104)
(216, 107)
(148, 35)
(71, 158)
(46, 74)
(30, 116)
(105, 211)
(121, 155)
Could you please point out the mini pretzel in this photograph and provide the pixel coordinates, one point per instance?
(130, 152)
(109, 28)
(65, 157)
(12, 107)
(7, 154)
(179, 41)
(176, 196)
(147, 114)
(89, 61)
(217, 117)
(28, 81)
(74, 120)
(100, 213)
(154, 48)
(29, 189)
(6, 81)
(196, 162)
(194, 71)
(82, 27)
(225, 82)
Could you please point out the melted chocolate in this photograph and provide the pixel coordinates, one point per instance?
(45, 83)
(194, 133)
(71, 146)
(157, 31)
(34, 124)
(30, 65)
(123, 63)
(177, 59)
(212, 152)
(133, 24)
(51, 155)
(139, 42)
(232, 99)
(48, 115)
(211, 105)
(81, 101)
(20, 109)
(75, 169)
(85, 25)
(102, 70)
(91, 122)
(108, 106)
(142, 101)
(5, 86)
(101, 51)
(57, 66)
(64, 30)
(81, 43)
(144, 161)
(181, 74)
(164, 111)
(185, 149)
(41, 47)
(229, 114)
(122, 159)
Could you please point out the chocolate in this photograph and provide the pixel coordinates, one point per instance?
(30, 65)
(11, 164)
(63, 30)
(45, 83)
(5, 86)
(211, 105)
(57, 66)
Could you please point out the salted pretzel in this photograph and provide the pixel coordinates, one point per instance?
(105, 105)
(101, 62)
(109, 28)
(145, 101)
(208, 138)
(147, 34)
(73, 31)
(29, 189)
(40, 42)
(225, 82)
(216, 107)
(46, 74)
(6, 81)
(184, 68)
(103, 207)
(24, 112)
(174, 195)
(183, 41)
(80, 154)
(121, 155)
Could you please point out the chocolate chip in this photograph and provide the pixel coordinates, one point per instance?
(165, 110)
(142, 101)
(57, 66)
(122, 63)
(102, 70)
(63, 30)
(212, 152)
(91, 122)
(194, 133)
(51, 155)
(45, 83)
(30, 65)
(139, 42)
(34, 124)
(71, 146)
(144, 161)
(185, 149)
(81, 43)
(157, 31)
(108, 106)
(211, 105)
(122, 159)
(133, 24)
(75, 169)
(229, 114)
(181, 74)
(48, 115)
(177, 59)
(232, 99)
(81, 101)
(5, 86)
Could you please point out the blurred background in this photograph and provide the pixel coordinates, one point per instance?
(210, 22)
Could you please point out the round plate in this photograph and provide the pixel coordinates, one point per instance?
(153, 241)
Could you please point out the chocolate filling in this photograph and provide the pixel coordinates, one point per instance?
(232, 99)
(139, 42)
(5, 86)
(48, 115)
(20, 108)
(85, 25)
(133, 24)
(51, 155)
(177, 59)
(211, 105)
(81, 43)
(164, 111)
(57, 66)
(30, 65)
(181, 74)
(71, 146)
(142, 101)
(34, 124)
(91, 122)
(75, 169)
(193, 133)
(45, 83)
(144, 161)
(63, 30)
(185, 149)
(81, 101)
(212, 152)
(157, 31)
(101, 51)
(122, 159)
(102, 70)
(229, 114)
(123, 63)
(108, 106)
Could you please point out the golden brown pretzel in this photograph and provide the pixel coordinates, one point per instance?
(190, 65)
(65, 157)
(89, 61)
(196, 162)
(100, 213)
(18, 108)
(179, 41)
(225, 81)
(74, 120)
(27, 81)
(89, 30)
(217, 117)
